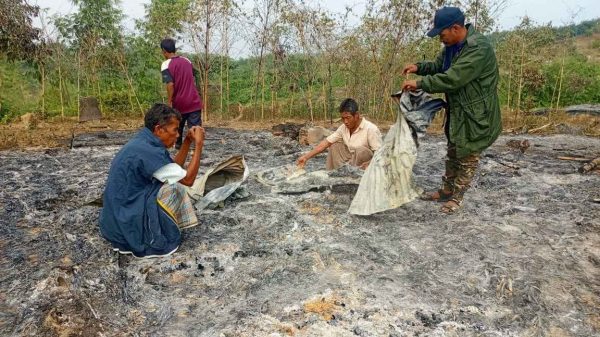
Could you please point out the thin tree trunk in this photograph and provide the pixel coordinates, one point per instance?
(276, 112)
(520, 89)
(43, 74)
(274, 85)
(562, 70)
(221, 93)
(131, 87)
(262, 99)
(330, 93)
(310, 105)
(508, 93)
(324, 101)
(206, 60)
(554, 90)
(263, 43)
(227, 61)
(78, 82)
(60, 90)
(291, 104)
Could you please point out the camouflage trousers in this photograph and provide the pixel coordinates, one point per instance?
(459, 173)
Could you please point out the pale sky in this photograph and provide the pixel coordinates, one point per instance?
(560, 12)
(542, 11)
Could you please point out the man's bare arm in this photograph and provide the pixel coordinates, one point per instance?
(323, 145)
(170, 87)
(192, 169)
(181, 156)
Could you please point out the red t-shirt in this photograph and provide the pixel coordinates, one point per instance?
(179, 70)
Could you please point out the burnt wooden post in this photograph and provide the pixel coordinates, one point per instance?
(88, 109)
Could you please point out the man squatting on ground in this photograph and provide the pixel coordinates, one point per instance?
(467, 72)
(354, 142)
(178, 74)
(145, 200)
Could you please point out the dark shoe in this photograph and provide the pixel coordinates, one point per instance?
(439, 196)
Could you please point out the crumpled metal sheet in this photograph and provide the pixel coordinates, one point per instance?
(388, 181)
(287, 180)
(219, 182)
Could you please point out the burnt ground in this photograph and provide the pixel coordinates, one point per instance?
(522, 258)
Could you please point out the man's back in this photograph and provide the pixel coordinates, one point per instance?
(179, 70)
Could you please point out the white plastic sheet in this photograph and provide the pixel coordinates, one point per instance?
(388, 181)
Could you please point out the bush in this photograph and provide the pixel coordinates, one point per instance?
(580, 83)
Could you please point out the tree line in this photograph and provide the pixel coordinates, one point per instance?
(300, 59)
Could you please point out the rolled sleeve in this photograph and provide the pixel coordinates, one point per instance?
(336, 136)
(170, 173)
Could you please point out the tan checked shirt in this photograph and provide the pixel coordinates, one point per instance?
(367, 135)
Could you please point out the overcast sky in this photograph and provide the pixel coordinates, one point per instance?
(558, 12)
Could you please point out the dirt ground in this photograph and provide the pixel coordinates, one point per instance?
(522, 258)
(31, 133)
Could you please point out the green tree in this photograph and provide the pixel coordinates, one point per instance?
(18, 37)
(95, 44)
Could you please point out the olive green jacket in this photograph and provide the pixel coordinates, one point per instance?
(471, 88)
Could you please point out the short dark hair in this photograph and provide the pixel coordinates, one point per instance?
(349, 105)
(168, 45)
(160, 114)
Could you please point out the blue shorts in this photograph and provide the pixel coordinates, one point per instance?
(193, 119)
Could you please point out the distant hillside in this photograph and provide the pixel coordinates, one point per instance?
(585, 28)
(589, 46)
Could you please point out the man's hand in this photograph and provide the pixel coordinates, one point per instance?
(189, 136)
(197, 134)
(409, 69)
(410, 85)
(301, 161)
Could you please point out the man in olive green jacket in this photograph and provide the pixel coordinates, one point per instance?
(467, 72)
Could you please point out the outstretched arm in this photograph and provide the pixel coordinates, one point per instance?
(323, 145)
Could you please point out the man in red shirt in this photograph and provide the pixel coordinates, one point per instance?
(178, 75)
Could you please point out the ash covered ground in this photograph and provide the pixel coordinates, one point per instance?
(522, 258)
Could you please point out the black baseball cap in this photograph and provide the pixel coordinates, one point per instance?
(168, 45)
(444, 18)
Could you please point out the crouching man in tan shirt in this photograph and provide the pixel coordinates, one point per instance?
(354, 142)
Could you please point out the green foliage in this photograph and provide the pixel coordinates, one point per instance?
(95, 24)
(304, 61)
(581, 82)
(585, 28)
(164, 18)
(18, 37)
(19, 89)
